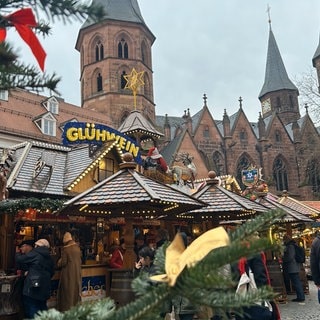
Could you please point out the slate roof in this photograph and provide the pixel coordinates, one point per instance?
(223, 204)
(50, 179)
(128, 192)
(174, 122)
(122, 10)
(171, 148)
(63, 164)
(276, 77)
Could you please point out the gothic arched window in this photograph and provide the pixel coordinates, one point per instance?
(99, 82)
(206, 132)
(217, 163)
(99, 51)
(243, 164)
(243, 135)
(280, 174)
(278, 104)
(278, 138)
(313, 174)
(123, 49)
(291, 102)
(123, 81)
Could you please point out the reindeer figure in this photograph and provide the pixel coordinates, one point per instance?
(187, 174)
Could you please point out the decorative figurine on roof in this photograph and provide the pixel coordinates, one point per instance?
(256, 186)
(187, 174)
(230, 183)
(154, 159)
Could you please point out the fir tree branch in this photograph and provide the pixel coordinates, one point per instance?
(17, 74)
(203, 284)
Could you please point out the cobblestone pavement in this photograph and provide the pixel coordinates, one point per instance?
(310, 309)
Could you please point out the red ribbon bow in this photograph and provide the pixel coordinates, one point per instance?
(23, 20)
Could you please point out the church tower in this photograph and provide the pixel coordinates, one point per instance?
(278, 93)
(109, 50)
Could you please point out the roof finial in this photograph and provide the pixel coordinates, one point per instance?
(269, 16)
(240, 102)
(307, 107)
(205, 99)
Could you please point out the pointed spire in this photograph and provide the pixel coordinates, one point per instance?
(122, 10)
(276, 77)
(269, 16)
(261, 127)
(167, 129)
(226, 124)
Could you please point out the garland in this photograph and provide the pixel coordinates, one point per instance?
(13, 206)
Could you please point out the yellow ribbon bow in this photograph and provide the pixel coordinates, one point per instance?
(178, 257)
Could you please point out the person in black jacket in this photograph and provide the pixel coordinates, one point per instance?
(37, 284)
(315, 260)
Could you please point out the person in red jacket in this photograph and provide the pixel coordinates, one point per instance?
(116, 260)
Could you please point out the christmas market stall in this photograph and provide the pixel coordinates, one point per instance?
(294, 223)
(130, 195)
(223, 205)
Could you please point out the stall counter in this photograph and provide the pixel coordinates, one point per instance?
(95, 283)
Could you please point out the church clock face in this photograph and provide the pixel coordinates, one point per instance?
(266, 106)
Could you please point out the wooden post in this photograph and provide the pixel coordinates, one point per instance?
(129, 258)
(7, 245)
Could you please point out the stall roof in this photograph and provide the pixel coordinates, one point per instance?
(292, 215)
(299, 206)
(129, 193)
(223, 204)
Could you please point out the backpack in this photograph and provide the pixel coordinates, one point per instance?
(300, 254)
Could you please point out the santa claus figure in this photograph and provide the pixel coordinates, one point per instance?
(154, 154)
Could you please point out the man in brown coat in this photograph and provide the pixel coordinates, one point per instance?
(69, 289)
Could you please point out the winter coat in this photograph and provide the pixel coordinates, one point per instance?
(183, 306)
(40, 267)
(289, 263)
(145, 271)
(116, 260)
(315, 260)
(70, 284)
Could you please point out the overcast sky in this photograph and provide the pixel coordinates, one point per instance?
(217, 47)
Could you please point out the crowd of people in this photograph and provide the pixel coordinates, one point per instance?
(34, 264)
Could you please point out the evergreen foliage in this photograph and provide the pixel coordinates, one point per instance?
(12, 206)
(204, 284)
(14, 73)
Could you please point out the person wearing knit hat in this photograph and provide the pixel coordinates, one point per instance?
(42, 243)
(37, 283)
(70, 284)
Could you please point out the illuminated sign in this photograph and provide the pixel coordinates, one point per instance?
(91, 133)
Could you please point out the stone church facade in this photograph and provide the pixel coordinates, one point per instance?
(282, 143)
